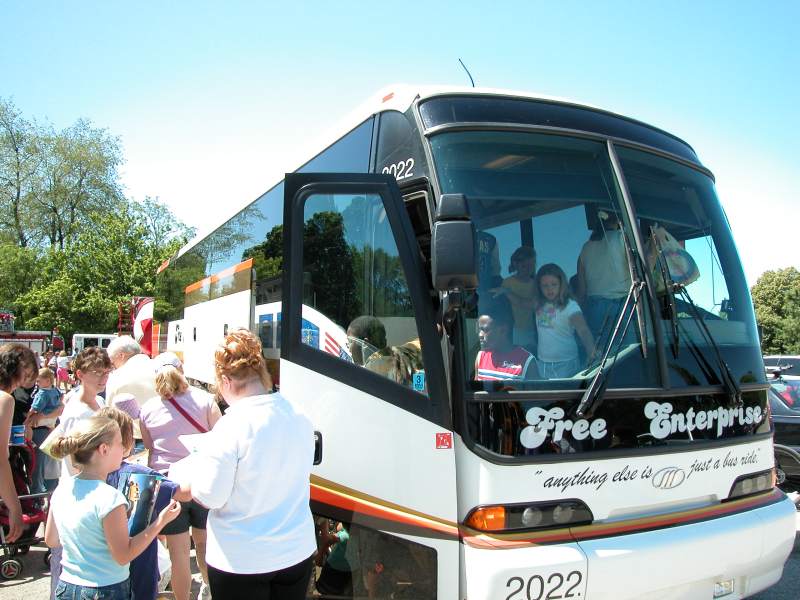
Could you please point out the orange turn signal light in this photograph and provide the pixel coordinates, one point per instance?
(487, 518)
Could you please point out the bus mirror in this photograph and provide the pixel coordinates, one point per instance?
(454, 255)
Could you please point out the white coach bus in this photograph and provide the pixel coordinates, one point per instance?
(470, 442)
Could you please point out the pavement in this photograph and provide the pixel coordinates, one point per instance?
(34, 582)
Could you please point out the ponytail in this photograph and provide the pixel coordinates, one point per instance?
(81, 443)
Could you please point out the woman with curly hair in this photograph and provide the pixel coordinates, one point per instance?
(18, 367)
(253, 473)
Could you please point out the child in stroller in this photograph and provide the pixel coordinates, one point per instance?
(23, 462)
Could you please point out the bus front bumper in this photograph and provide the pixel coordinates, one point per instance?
(738, 555)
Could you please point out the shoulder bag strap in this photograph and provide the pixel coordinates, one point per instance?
(186, 415)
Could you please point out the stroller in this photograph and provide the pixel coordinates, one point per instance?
(23, 460)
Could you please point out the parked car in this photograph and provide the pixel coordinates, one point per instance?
(790, 365)
(786, 424)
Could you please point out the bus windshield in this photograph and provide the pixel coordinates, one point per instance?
(558, 266)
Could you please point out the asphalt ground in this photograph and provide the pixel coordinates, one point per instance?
(34, 582)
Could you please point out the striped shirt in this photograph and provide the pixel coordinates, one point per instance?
(503, 365)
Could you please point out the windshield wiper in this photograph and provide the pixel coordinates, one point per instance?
(725, 375)
(593, 396)
(669, 286)
(727, 378)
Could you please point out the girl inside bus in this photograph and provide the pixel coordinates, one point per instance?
(558, 320)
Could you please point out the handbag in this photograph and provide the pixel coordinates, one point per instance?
(186, 415)
(679, 263)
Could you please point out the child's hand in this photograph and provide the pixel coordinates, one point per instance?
(169, 513)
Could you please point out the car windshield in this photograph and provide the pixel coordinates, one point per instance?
(788, 390)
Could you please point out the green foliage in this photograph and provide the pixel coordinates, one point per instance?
(776, 297)
(52, 181)
(71, 245)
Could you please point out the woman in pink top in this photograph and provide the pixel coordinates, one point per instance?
(178, 410)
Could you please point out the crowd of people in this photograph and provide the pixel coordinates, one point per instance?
(253, 532)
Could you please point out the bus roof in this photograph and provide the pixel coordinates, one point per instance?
(398, 97)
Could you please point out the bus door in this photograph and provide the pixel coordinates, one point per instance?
(373, 385)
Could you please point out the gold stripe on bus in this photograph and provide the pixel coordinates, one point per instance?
(229, 272)
(329, 492)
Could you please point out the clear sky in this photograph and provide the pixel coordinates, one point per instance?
(206, 96)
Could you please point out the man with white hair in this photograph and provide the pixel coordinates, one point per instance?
(133, 373)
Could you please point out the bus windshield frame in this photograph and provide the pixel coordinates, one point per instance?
(646, 359)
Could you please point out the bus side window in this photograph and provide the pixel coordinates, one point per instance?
(356, 302)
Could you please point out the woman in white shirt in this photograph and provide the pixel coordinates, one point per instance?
(253, 473)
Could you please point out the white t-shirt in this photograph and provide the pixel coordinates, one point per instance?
(605, 266)
(556, 334)
(62, 362)
(137, 376)
(253, 473)
(74, 411)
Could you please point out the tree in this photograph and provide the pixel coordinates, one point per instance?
(161, 224)
(776, 297)
(20, 159)
(109, 261)
(77, 177)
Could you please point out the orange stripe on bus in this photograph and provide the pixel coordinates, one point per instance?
(162, 266)
(217, 276)
(332, 494)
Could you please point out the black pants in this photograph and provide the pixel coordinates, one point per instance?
(290, 583)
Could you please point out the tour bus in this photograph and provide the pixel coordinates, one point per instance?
(473, 446)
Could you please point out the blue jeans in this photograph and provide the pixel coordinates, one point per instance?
(601, 316)
(71, 591)
(38, 485)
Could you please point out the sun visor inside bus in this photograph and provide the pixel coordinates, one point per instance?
(454, 254)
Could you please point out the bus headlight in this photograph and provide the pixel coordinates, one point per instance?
(754, 483)
(529, 516)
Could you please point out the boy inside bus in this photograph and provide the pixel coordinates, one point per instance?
(498, 357)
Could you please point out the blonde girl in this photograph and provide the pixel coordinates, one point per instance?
(558, 320)
(520, 289)
(88, 518)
